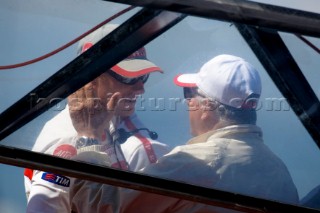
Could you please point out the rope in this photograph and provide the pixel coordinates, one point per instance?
(12, 66)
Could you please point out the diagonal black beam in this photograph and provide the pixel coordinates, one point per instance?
(130, 36)
(90, 172)
(105, 175)
(240, 11)
(286, 74)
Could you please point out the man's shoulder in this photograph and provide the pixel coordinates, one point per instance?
(58, 127)
(54, 145)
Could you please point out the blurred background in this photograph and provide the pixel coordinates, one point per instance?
(32, 28)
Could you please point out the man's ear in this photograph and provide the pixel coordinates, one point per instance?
(207, 108)
(208, 104)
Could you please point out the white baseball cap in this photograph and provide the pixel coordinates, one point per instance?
(135, 65)
(227, 79)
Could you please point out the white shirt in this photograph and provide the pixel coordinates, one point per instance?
(134, 149)
(58, 137)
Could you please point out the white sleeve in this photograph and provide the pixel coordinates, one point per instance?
(60, 126)
(50, 193)
(27, 186)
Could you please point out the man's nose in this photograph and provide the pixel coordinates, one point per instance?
(139, 87)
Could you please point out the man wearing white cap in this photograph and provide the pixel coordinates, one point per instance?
(66, 138)
(226, 153)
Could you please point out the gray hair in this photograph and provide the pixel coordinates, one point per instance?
(236, 116)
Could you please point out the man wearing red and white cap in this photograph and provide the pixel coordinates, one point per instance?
(226, 153)
(66, 138)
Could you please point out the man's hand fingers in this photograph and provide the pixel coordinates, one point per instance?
(75, 100)
(113, 101)
(92, 101)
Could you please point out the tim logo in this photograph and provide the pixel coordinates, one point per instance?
(56, 179)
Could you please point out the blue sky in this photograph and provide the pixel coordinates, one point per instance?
(35, 27)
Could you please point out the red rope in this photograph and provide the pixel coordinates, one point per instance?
(12, 66)
(309, 43)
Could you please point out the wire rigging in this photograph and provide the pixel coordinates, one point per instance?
(308, 43)
(12, 66)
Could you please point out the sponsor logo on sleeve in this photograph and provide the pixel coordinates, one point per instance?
(65, 151)
(56, 179)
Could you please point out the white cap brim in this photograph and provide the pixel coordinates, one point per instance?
(186, 80)
(135, 67)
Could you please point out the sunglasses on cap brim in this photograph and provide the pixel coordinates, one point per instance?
(127, 80)
(191, 92)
